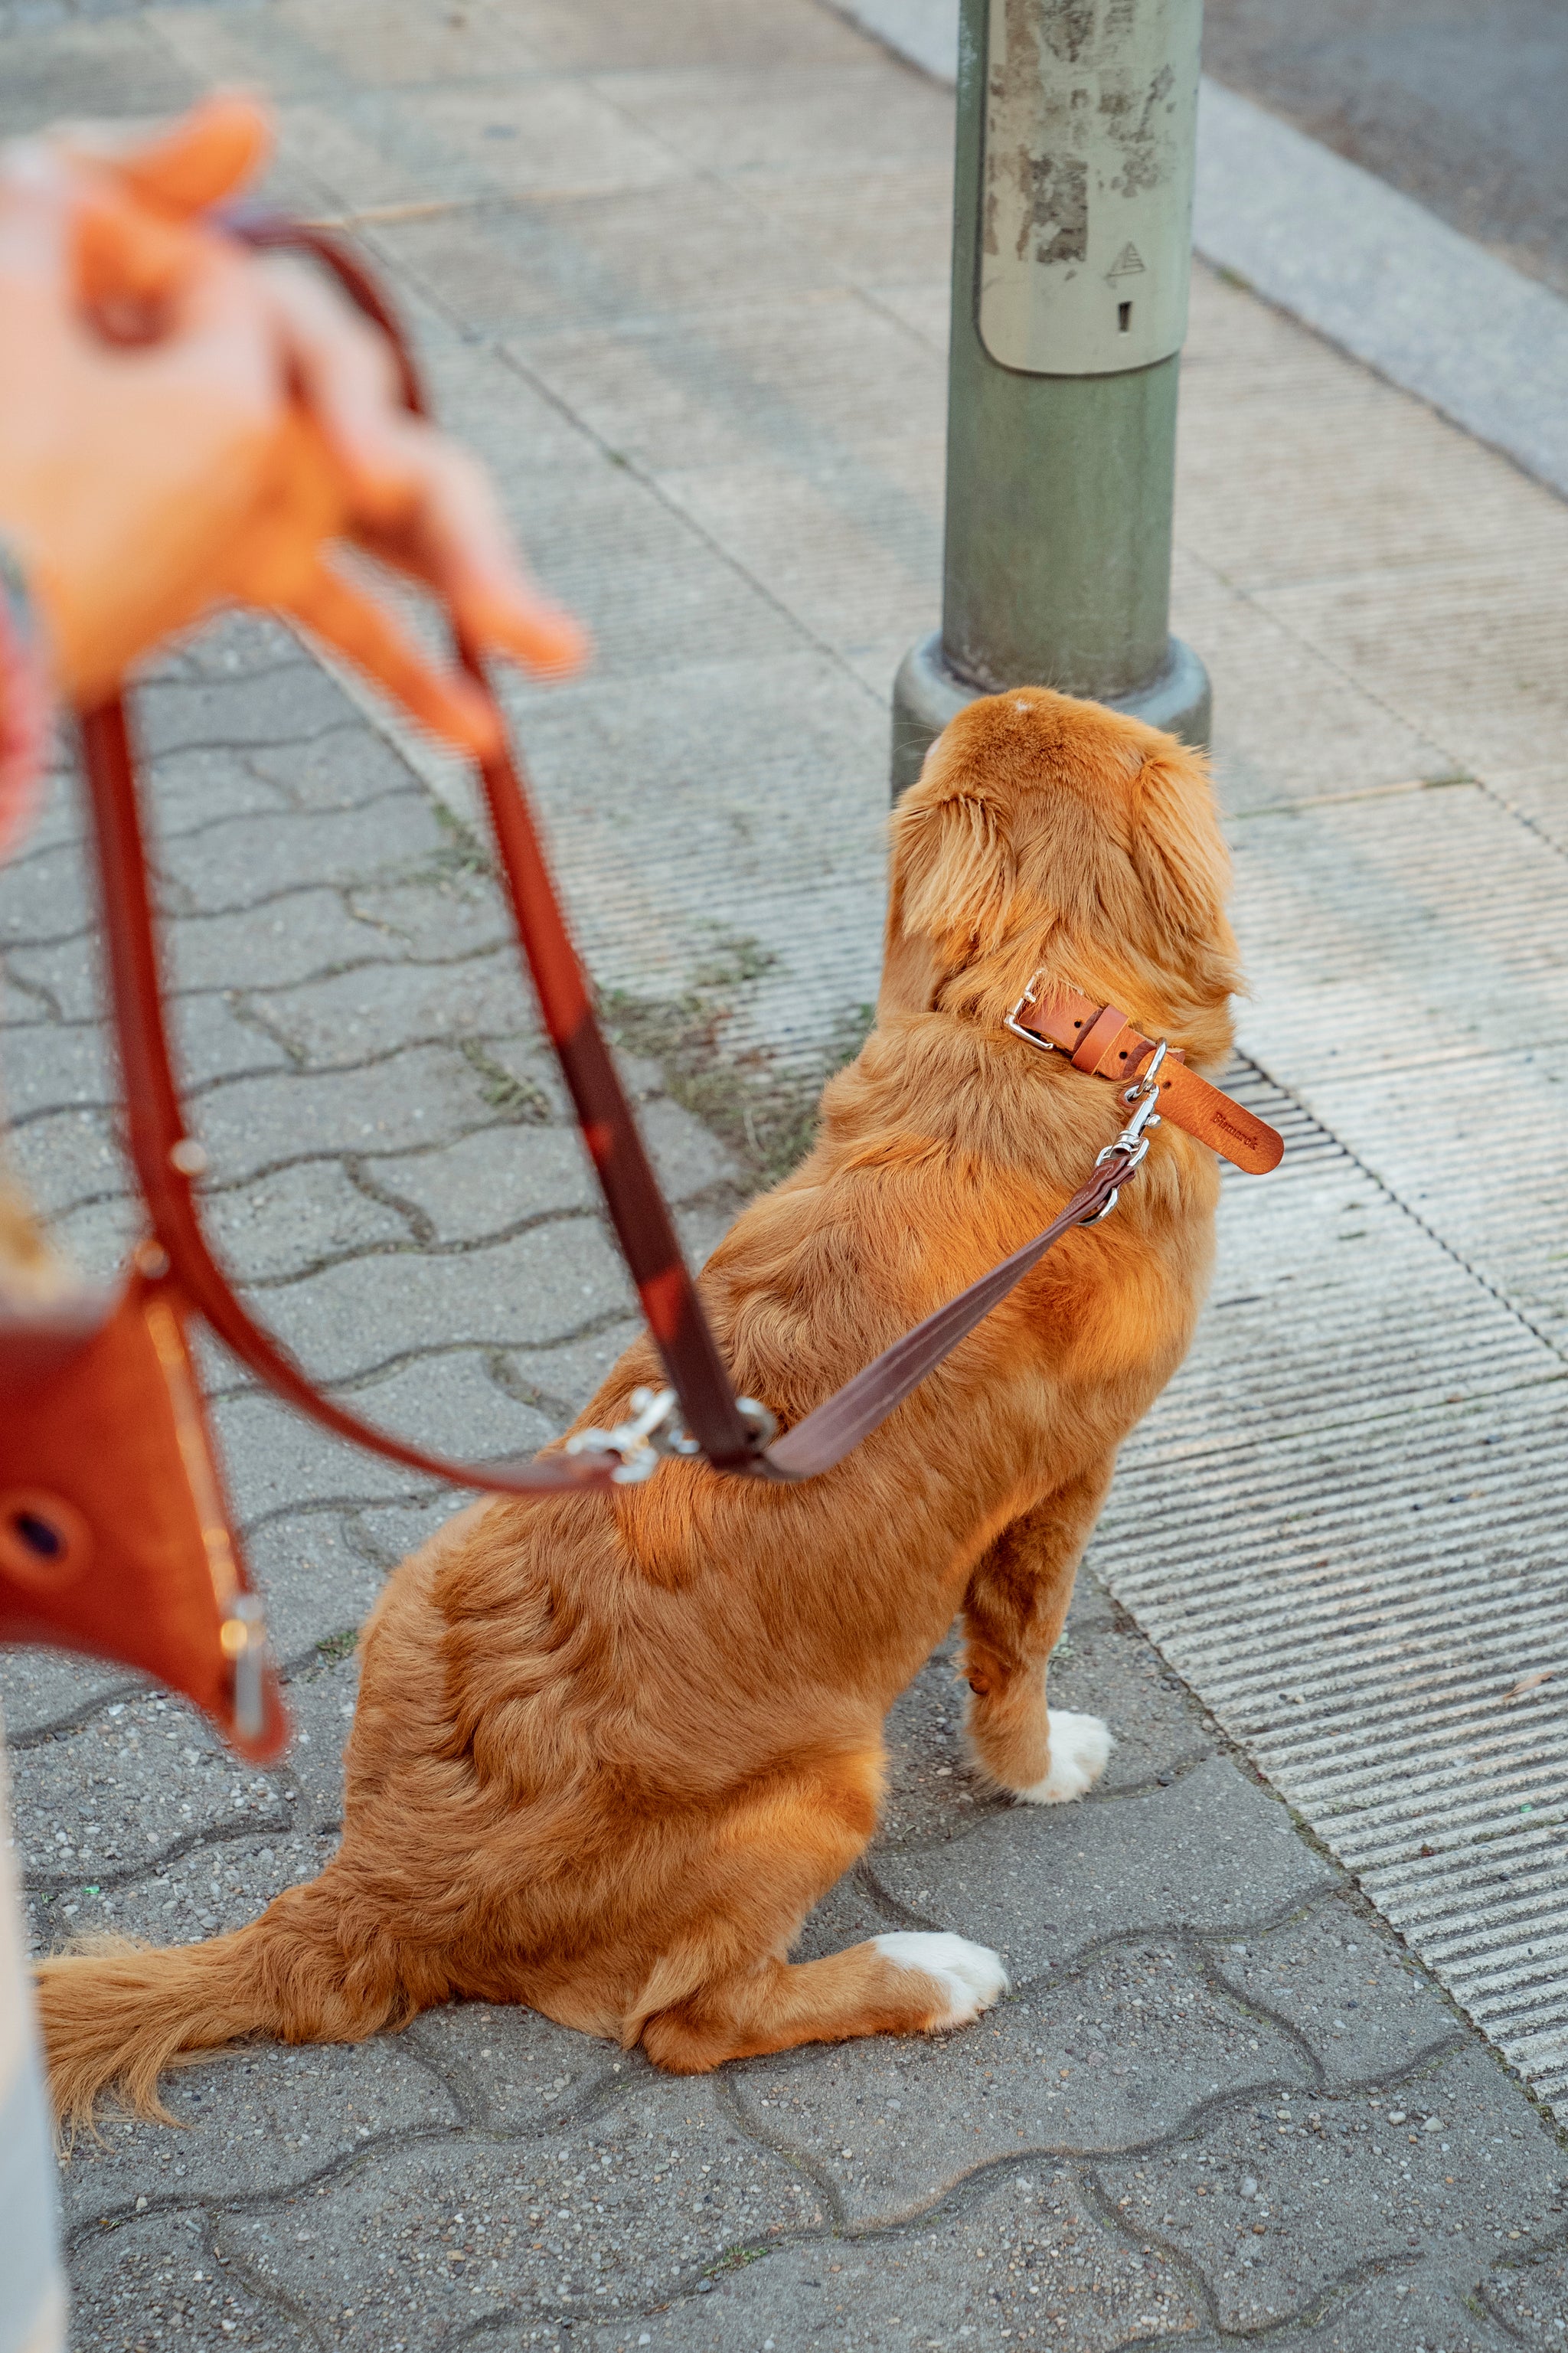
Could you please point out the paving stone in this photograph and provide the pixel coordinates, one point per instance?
(1127, 2051)
(446, 908)
(280, 704)
(1434, 2205)
(88, 70)
(216, 1039)
(380, 1005)
(358, 1315)
(1527, 2289)
(1020, 2256)
(276, 1462)
(855, 540)
(262, 2120)
(890, 227)
(513, 2070)
(237, 860)
(427, 1093)
(565, 1376)
(1365, 2314)
(855, 381)
(158, 2278)
(452, 1402)
(40, 1689)
(933, 1792)
(600, 259)
(637, 2200)
(380, 148)
(319, 1575)
(97, 1240)
(389, 1532)
(295, 51)
(321, 1692)
(298, 932)
(230, 643)
(721, 774)
(296, 1219)
(1338, 1979)
(47, 899)
(694, 32)
(480, 1187)
(207, 785)
(141, 1780)
(1214, 1852)
(49, 1066)
(345, 766)
(743, 117)
(849, 1913)
(218, 1874)
(667, 598)
(1101, 1666)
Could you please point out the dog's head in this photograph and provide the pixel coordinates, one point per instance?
(1050, 834)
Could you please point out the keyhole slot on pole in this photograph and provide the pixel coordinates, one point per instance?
(1124, 318)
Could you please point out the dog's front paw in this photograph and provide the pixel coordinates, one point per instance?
(971, 1976)
(1080, 1750)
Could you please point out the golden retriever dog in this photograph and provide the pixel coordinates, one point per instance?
(610, 1750)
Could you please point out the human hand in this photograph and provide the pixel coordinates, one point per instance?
(344, 461)
(126, 467)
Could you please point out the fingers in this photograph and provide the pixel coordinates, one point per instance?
(451, 535)
(130, 266)
(356, 625)
(422, 504)
(206, 156)
(474, 566)
(346, 377)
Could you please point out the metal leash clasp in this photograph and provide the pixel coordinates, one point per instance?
(654, 1431)
(1143, 1094)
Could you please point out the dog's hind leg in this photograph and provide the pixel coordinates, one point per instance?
(1012, 1612)
(900, 1984)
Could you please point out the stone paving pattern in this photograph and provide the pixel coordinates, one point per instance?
(1223, 2103)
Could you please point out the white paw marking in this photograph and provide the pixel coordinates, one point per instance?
(1080, 1750)
(971, 1976)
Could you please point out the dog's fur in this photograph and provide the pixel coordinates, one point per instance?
(609, 1751)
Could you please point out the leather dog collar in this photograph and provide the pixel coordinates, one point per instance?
(1100, 1040)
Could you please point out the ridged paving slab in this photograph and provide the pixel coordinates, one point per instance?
(1343, 1526)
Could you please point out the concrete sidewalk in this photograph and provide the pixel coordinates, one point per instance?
(681, 274)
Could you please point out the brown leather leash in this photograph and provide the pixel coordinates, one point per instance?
(700, 1413)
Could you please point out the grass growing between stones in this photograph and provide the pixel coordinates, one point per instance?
(767, 1119)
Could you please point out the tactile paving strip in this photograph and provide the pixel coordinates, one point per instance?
(1343, 1526)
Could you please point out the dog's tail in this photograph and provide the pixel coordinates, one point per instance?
(116, 2014)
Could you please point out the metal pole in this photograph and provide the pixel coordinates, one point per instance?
(1072, 235)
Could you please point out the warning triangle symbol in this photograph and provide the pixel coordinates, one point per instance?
(1126, 262)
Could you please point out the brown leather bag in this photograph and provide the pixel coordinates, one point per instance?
(114, 1534)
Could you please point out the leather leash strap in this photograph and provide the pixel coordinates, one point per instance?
(727, 1430)
(1100, 1038)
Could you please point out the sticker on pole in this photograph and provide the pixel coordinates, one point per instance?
(1087, 183)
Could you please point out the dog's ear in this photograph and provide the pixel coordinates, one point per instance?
(953, 882)
(1177, 848)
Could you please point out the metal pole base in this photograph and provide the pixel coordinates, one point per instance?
(927, 694)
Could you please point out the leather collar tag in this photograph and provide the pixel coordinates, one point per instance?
(1100, 1039)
